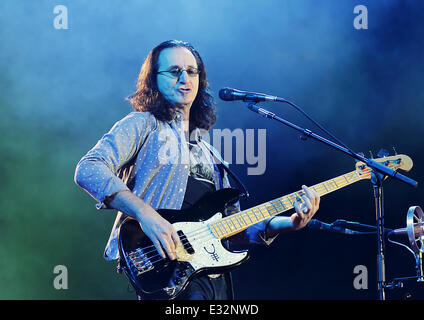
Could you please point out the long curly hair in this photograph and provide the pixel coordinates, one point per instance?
(148, 98)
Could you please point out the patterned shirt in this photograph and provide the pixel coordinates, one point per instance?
(151, 159)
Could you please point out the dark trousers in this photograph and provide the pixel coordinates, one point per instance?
(207, 288)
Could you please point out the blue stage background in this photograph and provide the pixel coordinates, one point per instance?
(61, 90)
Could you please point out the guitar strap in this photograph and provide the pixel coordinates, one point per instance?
(223, 166)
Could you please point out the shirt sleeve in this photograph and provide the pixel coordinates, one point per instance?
(97, 171)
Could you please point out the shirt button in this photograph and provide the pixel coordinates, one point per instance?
(181, 190)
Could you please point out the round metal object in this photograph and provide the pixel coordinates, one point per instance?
(414, 228)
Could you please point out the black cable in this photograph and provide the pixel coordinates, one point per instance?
(318, 125)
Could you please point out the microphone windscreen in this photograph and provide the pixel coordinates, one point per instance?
(226, 94)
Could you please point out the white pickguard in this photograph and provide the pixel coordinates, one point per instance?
(208, 250)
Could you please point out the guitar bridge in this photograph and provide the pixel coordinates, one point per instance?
(140, 261)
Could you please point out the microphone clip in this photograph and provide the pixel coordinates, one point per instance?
(265, 113)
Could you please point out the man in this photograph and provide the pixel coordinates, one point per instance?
(129, 169)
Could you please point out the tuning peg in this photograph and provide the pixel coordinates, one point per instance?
(394, 150)
(383, 153)
(371, 155)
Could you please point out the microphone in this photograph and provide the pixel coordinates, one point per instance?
(229, 94)
(316, 224)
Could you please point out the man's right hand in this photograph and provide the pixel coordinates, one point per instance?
(156, 228)
(161, 233)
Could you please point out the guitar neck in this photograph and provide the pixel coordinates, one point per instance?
(240, 221)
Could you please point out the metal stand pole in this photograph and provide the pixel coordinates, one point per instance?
(381, 276)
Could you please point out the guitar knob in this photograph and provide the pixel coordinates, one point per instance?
(181, 273)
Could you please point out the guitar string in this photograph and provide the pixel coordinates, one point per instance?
(199, 232)
(207, 231)
(204, 238)
(196, 232)
(203, 232)
(284, 200)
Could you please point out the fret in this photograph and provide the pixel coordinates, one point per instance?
(231, 223)
(226, 226)
(261, 213)
(290, 201)
(274, 208)
(248, 215)
(267, 207)
(213, 230)
(257, 212)
(230, 219)
(240, 219)
(345, 176)
(321, 190)
(251, 214)
(218, 229)
(334, 181)
(329, 186)
(324, 187)
(227, 229)
(217, 226)
(281, 204)
(286, 198)
(349, 177)
(277, 205)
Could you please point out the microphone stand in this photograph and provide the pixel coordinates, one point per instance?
(377, 183)
(379, 173)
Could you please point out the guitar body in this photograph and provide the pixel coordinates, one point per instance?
(200, 252)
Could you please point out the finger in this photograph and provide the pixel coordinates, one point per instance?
(159, 249)
(175, 238)
(312, 195)
(308, 193)
(318, 199)
(168, 245)
(307, 205)
(297, 206)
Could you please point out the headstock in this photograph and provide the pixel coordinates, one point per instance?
(397, 162)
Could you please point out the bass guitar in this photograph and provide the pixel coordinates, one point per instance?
(202, 228)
